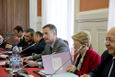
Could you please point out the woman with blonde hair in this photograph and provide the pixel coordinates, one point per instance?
(86, 59)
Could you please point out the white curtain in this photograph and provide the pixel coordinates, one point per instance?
(111, 21)
(61, 14)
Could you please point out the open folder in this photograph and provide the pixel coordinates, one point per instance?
(53, 62)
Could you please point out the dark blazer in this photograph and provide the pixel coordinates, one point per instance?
(22, 43)
(59, 46)
(3, 44)
(37, 48)
(103, 68)
(26, 52)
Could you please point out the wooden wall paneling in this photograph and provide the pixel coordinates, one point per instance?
(23, 16)
(13, 13)
(1, 16)
(9, 15)
(26, 9)
(4, 11)
(27, 13)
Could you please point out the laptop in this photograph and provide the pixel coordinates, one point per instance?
(56, 63)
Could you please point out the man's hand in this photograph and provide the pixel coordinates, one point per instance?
(17, 40)
(32, 63)
(71, 68)
(25, 59)
(8, 46)
(85, 75)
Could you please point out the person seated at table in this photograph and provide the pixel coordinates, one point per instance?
(86, 59)
(19, 36)
(29, 40)
(39, 46)
(53, 45)
(107, 66)
(4, 44)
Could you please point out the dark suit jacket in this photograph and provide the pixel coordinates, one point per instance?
(3, 44)
(22, 43)
(59, 46)
(37, 48)
(103, 68)
(26, 52)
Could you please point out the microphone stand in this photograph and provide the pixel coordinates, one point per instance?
(67, 60)
(28, 47)
(10, 74)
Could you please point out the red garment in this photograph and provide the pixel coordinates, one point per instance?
(91, 60)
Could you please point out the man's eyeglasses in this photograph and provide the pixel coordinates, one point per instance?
(109, 39)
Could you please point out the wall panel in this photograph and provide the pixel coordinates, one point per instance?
(86, 5)
(13, 13)
(39, 7)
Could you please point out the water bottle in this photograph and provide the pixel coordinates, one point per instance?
(40, 65)
(15, 59)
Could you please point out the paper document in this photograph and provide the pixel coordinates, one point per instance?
(8, 52)
(56, 62)
(3, 63)
(3, 56)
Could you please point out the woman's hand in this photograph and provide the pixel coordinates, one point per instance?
(71, 68)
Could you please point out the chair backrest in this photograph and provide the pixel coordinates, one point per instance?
(66, 42)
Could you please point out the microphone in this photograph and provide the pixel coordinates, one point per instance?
(67, 60)
(11, 74)
(22, 73)
(79, 49)
(28, 47)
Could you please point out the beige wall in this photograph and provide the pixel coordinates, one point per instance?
(35, 20)
(92, 16)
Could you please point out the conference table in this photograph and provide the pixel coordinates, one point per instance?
(4, 73)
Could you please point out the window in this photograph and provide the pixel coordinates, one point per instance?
(61, 14)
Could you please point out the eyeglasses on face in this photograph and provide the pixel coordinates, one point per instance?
(109, 39)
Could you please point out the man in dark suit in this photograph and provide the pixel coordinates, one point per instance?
(39, 44)
(28, 40)
(54, 44)
(19, 31)
(19, 36)
(107, 66)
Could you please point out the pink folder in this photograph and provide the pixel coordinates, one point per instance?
(54, 61)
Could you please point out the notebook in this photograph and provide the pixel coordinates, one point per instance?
(53, 62)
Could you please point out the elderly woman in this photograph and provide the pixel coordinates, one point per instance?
(86, 59)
